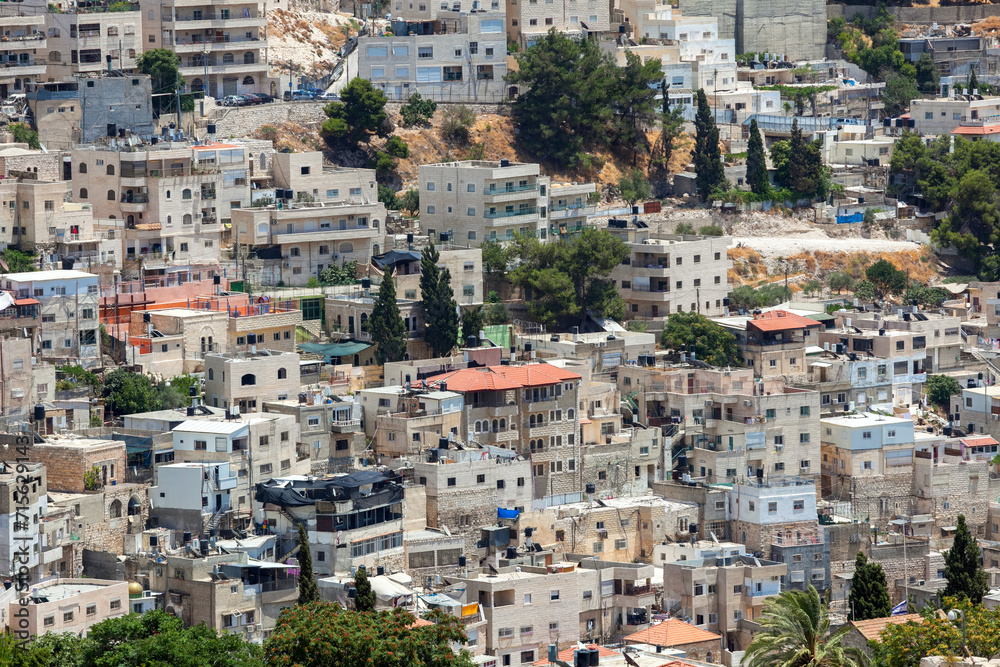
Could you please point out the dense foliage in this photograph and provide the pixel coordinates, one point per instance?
(869, 597)
(437, 301)
(386, 325)
(709, 341)
(940, 389)
(417, 110)
(757, 177)
(765, 296)
(364, 599)
(710, 174)
(359, 114)
(963, 566)
(904, 644)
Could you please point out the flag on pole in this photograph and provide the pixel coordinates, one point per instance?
(898, 609)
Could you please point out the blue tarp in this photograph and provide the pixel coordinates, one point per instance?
(848, 219)
(507, 514)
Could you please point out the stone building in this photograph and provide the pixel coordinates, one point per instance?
(83, 40)
(775, 342)
(415, 421)
(776, 510)
(696, 643)
(70, 605)
(243, 378)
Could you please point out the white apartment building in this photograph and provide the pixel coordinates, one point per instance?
(68, 303)
(80, 40)
(865, 445)
(943, 115)
(222, 46)
(23, 504)
(472, 201)
(25, 46)
(248, 378)
(529, 20)
(190, 494)
(670, 273)
(459, 56)
(174, 197)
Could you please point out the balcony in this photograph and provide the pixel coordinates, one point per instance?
(634, 596)
(513, 193)
(192, 22)
(221, 43)
(345, 426)
(191, 69)
(571, 211)
(522, 211)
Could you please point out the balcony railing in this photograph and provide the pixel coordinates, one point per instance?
(511, 188)
(527, 210)
(223, 39)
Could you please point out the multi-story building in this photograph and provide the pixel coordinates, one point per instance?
(735, 425)
(864, 445)
(222, 47)
(775, 342)
(658, 278)
(23, 27)
(464, 265)
(473, 201)
(244, 378)
(175, 198)
(68, 303)
(717, 585)
(70, 605)
(298, 239)
(774, 510)
(845, 379)
(189, 495)
(458, 56)
(23, 505)
(531, 408)
(416, 421)
(85, 40)
(528, 22)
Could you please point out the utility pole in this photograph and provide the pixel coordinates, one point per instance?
(697, 293)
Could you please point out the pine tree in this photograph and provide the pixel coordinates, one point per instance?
(709, 172)
(756, 162)
(364, 598)
(437, 301)
(386, 325)
(973, 82)
(963, 567)
(308, 588)
(869, 596)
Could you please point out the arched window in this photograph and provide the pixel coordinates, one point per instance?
(115, 509)
(186, 194)
(282, 374)
(170, 219)
(134, 506)
(570, 414)
(111, 170)
(248, 58)
(227, 58)
(262, 229)
(364, 322)
(374, 248)
(346, 248)
(211, 373)
(111, 195)
(83, 193)
(531, 421)
(248, 81)
(248, 379)
(55, 56)
(503, 424)
(197, 84)
(168, 194)
(187, 218)
(112, 31)
(83, 168)
(496, 426)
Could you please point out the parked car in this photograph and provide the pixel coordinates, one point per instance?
(329, 97)
(258, 98)
(231, 101)
(301, 95)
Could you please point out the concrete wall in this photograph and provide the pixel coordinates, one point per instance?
(919, 15)
(795, 29)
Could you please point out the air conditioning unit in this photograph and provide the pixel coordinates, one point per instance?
(709, 404)
(288, 264)
(603, 534)
(274, 221)
(779, 448)
(747, 404)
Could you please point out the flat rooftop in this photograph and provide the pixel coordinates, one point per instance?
(58, 591)
(866, 419)
(55, 274)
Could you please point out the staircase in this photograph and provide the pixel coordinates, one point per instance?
(213, 523)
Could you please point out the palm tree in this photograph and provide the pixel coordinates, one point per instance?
(796, 633)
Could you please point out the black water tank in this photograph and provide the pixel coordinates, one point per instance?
(591, 488)
(581, 658)
(527, 532)
(409, 237)
(39, 413)
(725, 301)
(442, 443)
(461, 561)
(190, 411)
(511, 553)
(366, 283)
(595, 657)
(635, 210)
(67, 264)
(146, 317)
(470, 341)
(112, 130)
(187, 536)
(352, 593)
(527, 347)
(379, 571)
(504, 162)
(203, 546)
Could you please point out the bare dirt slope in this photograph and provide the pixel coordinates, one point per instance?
(307, 42)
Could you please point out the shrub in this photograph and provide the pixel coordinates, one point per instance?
(417, 110)
(456, 123)
(710, 230)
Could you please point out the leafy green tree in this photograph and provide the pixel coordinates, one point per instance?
(928, 78)
(496, 261)
(457, 122)
(973, 226)
(756, 162)
(567, 279)
(749, 298)
(472, 323)
(685, 228)
(864, 290)
(781, 152)
(973, 83)
(410, 201)
(387, 196)
(635, 102)
(345, 274)
(899, 91)
(805, 165)
(710, 175)
(386, 324)
(128, 393)
(18, 261)
(496, 313)
(869, 597)
(417, 110)
(163, 67)
(566, 87)
(364, 598)
(795, 632)
(928, 297)
(23, 134)
(885, 278)
(308, 588)
(634, 187)
(710, 230)
(437, 301)
(963, 567)
(396, 147)
(840, 281)
(940, 389)
(325, 634)
(671, 128)
(713, 344)
(904, 644)
(359, 114)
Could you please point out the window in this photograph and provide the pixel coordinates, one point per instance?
(554, 595)
(527, 657)
(699, 589)
(804, 411)
(116, 603)
(505, 632)
(799, 505)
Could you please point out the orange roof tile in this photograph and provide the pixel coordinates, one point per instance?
(978, 442)
(873, 627)
(500, 378)
(676, 663)
(567, 655)
(535, 375)
(976, 131)
(779, 320)
(672, 632)
(419, 623)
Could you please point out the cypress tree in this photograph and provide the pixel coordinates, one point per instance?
(756, 162)
(386, 325)
(308, 588)
(709, 172)
(869, 596)
(437, 301)
(364, 599)
(963, 567)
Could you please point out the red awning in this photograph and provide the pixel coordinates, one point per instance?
(26, 302)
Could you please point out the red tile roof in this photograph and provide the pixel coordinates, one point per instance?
(501, 378)
(567, 655)
(976, 131)
(673, 632)
(780, 320)
(873, 627)
(978, 442)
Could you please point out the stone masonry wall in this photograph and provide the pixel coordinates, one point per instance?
(65, 466)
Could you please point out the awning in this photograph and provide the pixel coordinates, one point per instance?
(507, 514)
(148, 226)
(820, 364)
(27, 302)
(328, 350)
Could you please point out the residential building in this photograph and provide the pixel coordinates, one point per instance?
(69, 315)
(419, 420)
(464, 265)
(775, 342)
(223, 48)
(473, 201)
(527, 22)
(243, 378)
(847, 379)
(190, 496)
(774, 510)
(452, 56)
(352, 520)
(23, 505)
(24, 27)
(717, 585)
(680, 638)
(83, 40)
(349, 314)
(657, 279)
(616, 599)
(938, 335)
(944, 114)
(864, 445)
(329, 429)
(792, 32)
(67, 605)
